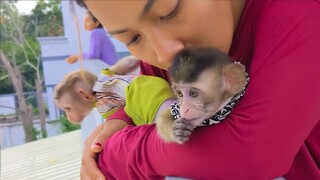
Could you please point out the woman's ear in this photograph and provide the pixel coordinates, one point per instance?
(234, 77)
(86, 94)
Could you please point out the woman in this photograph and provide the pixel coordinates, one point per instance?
(101, 46)
(274, 129)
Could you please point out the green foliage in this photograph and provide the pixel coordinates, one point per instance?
(32, 100)
(35, 133)
(45, 20)
(67, 126)
(6, 85)
(35, 110)
(44, 134)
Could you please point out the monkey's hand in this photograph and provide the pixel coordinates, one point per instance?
(171, 130)
(181, 130)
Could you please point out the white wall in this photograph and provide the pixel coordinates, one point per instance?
(54, 51)
(7, 104)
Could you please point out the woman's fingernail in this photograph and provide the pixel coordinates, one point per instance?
(98, 144)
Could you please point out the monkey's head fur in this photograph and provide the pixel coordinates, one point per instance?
(189, 63)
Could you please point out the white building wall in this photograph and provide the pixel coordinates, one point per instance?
(7, 104)
(56, 49)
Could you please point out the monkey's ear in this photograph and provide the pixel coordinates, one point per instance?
(234, 77)
(86, 94)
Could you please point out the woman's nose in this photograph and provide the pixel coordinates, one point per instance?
(165, 47)
(166, 50)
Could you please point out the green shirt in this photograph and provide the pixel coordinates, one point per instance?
(144, 96)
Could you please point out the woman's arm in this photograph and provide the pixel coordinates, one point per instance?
(125, 65)
(108, 129)
(96, 45)
(89, 167)
(95, 48)
(264, 132)
(94, 142)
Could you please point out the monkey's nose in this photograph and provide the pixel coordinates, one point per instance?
(185, 113)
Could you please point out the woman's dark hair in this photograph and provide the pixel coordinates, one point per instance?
(81, 3)
(94, 19)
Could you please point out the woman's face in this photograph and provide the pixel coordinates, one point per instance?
(155, 30)
(88, 23)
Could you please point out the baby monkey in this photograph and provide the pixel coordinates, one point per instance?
(207, 85)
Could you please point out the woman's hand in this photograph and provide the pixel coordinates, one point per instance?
(72, 59)
(94, 144)
(125, 65)
(89, 167)
(108, 129)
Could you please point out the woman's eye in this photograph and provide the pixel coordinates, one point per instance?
(135, 40)
(172, 13)
(193, 93)
(179, 93)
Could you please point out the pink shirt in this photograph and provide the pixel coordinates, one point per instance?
(273, 131)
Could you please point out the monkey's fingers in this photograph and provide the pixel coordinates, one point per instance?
(181, 130)
(180, 139)
(182, 124)
(181, 133)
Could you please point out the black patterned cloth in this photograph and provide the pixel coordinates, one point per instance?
(221, 114)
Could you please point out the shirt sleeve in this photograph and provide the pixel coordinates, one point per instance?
(120, 115)
(145, 69)
(262, 135)
(96, 45)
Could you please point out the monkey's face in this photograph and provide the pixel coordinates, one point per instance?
(199, 100)
(75, 106)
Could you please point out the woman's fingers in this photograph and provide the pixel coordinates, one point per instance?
(98, 142)
(89, 168)
(90, 171)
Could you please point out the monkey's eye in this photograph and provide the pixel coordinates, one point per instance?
(193, 93)
(179, 93)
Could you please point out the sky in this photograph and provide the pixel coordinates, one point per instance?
(26, 6)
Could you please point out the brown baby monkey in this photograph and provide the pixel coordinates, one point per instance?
(207, 85)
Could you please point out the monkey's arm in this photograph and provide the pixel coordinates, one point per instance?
(164, 125)
(173, 131)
